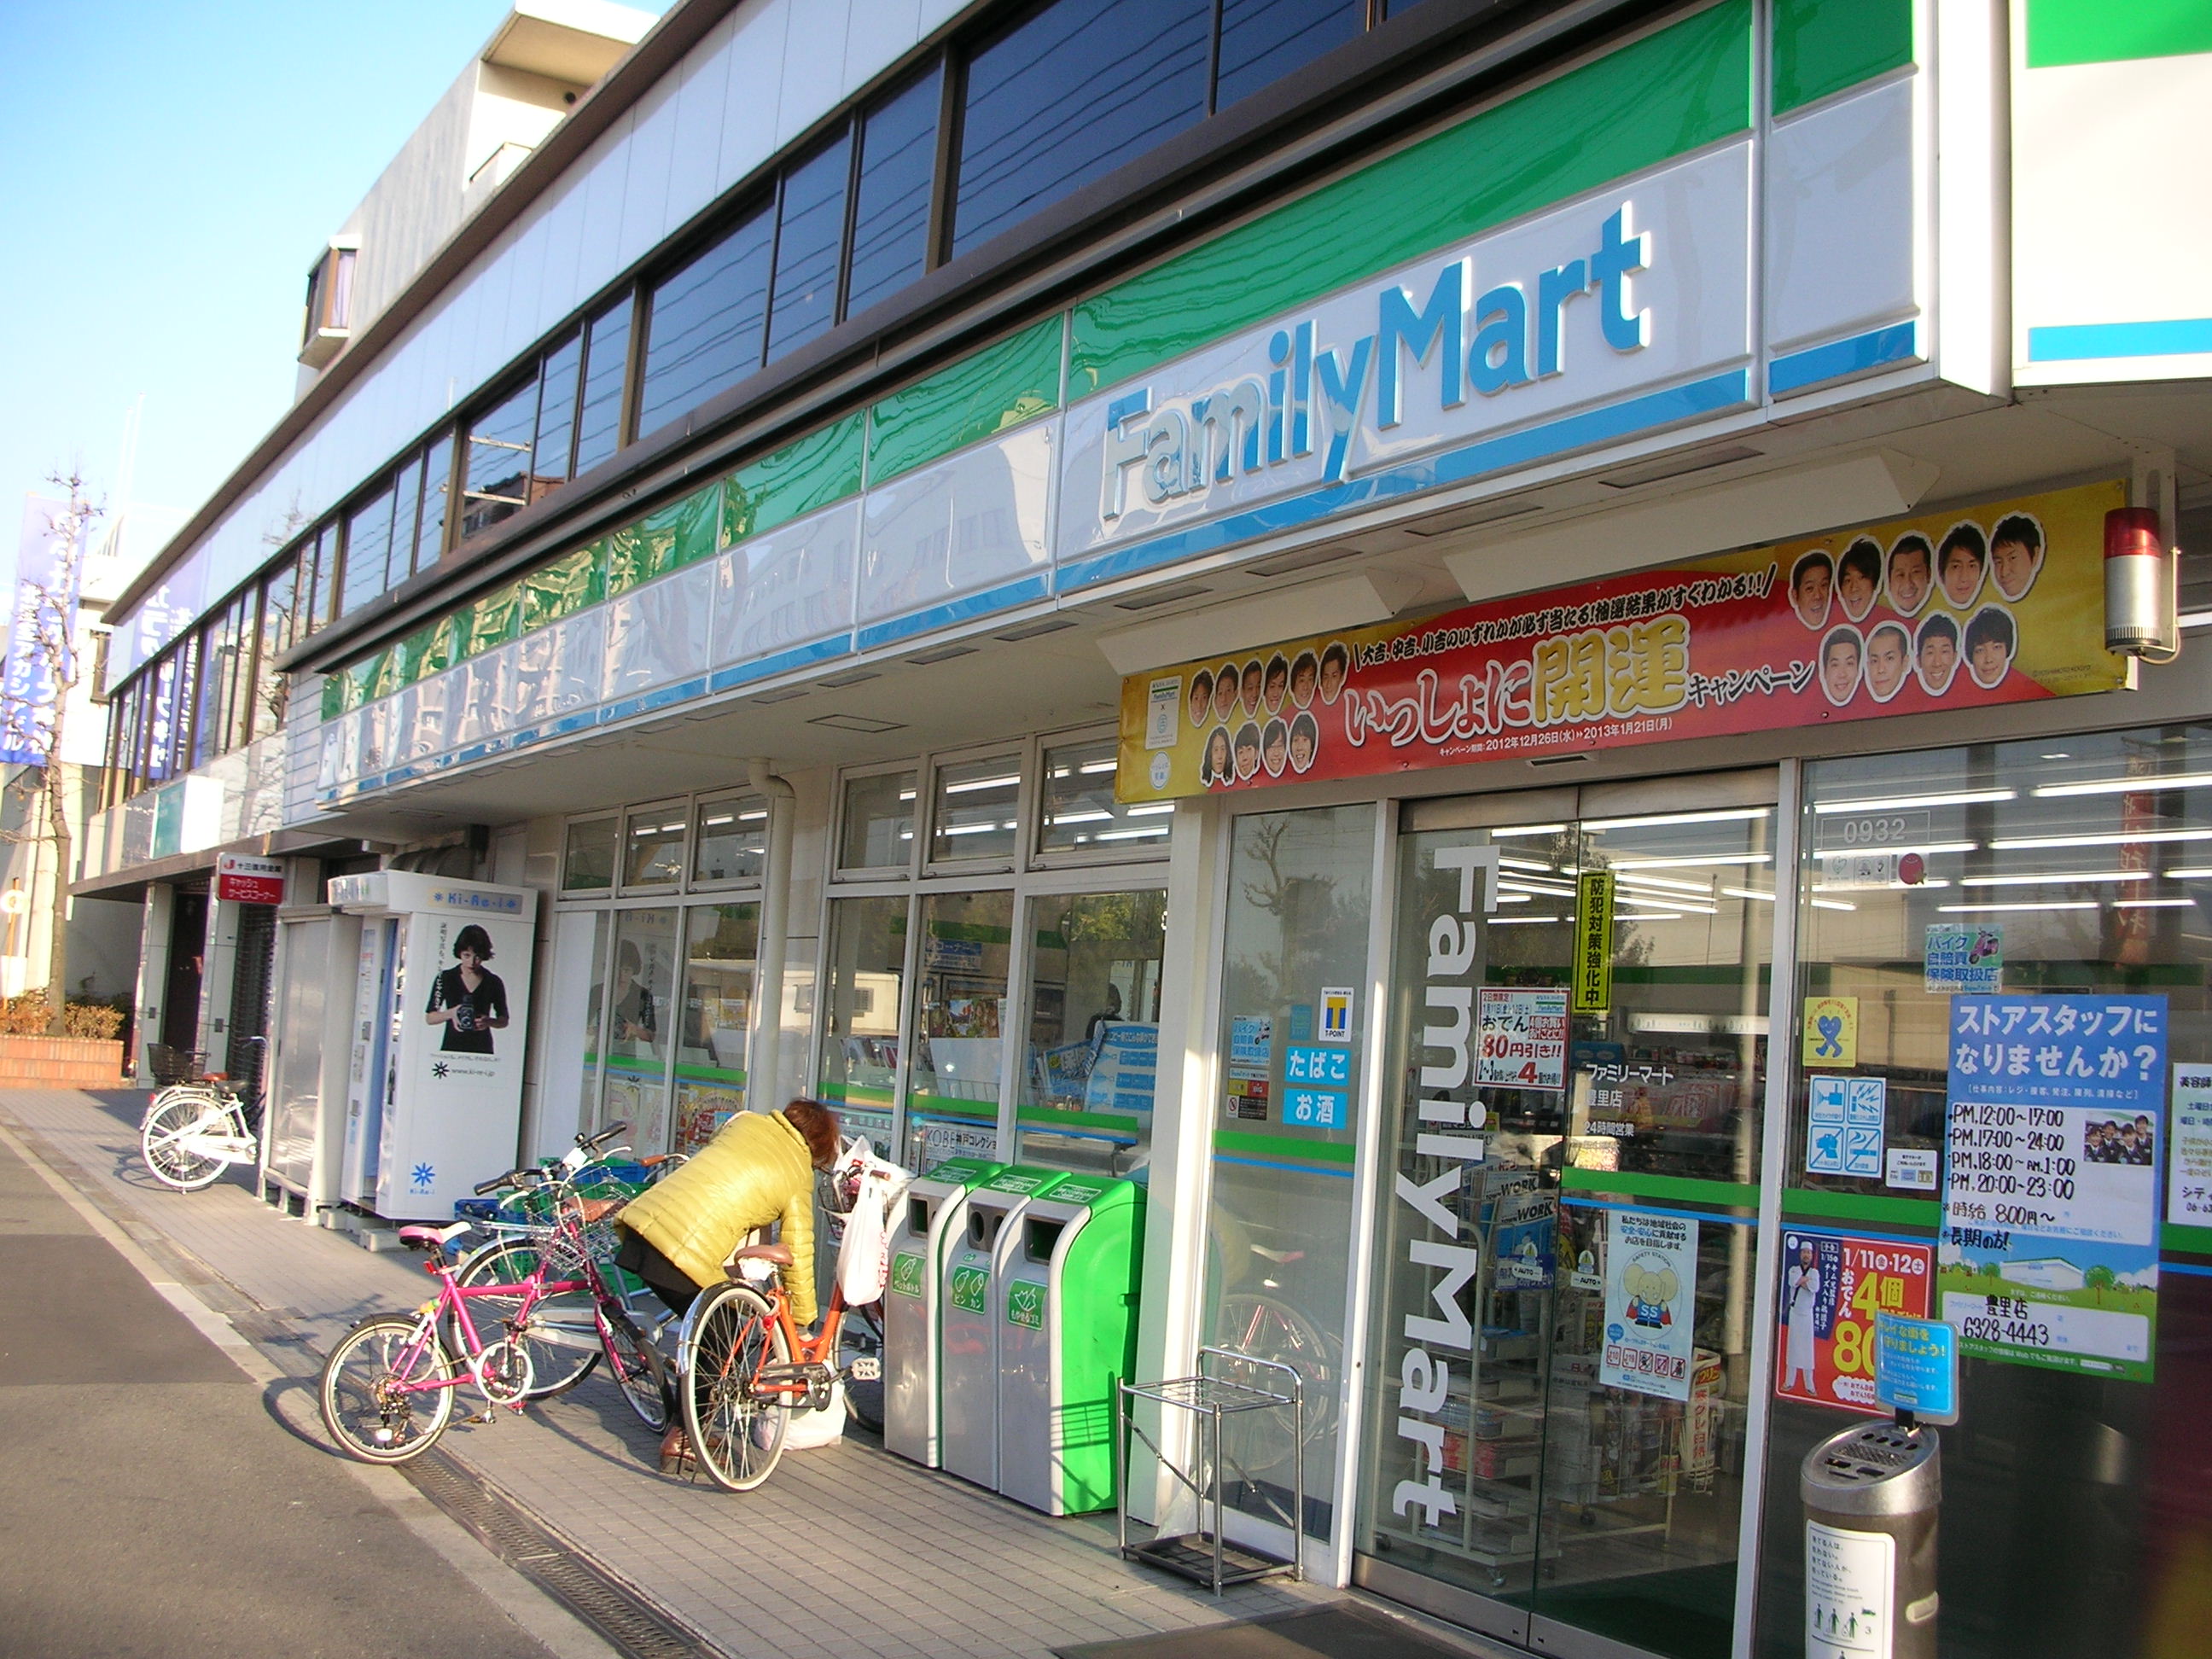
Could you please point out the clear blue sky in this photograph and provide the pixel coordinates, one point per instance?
(167, 173)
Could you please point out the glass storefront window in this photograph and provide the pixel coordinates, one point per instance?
(864, 969)
(652, 846)
(731, 842)
(635, 1037)
(952, 1085)
(878, 827)
(588, 864)
(1080, 811)
(1540, 1166)
(1087, 1082)
(1294, 970)
(975, 814)
(2070, 867)
(722, 944)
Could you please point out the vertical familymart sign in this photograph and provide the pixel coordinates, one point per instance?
(1634, 300)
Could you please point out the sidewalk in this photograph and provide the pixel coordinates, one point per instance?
(847, 1550)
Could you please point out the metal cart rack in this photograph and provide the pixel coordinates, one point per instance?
(1204, 1557)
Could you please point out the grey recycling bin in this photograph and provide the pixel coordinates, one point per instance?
(1871, 1497)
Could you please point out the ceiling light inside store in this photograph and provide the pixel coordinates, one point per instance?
(2151, 903)
(1702, 888)
(2025, 904)
(1524, 864)
(2125, 785)
(1904, 803)
(1733, 815)
(1519, 922)
(971, 784)
(1151, 831)
(2118, 838)
(1747, 893)
(2054, 878)
(1832, 904)
(1695, 863)
(1528, 830)
(1650, 915)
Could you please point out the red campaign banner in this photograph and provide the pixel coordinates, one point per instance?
(1997, 603)
(1832, 1287)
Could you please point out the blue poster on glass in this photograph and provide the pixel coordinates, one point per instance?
(2049, 1250)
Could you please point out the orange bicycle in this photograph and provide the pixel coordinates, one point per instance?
(743, 1366)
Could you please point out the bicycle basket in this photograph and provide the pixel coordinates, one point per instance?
(172, 1065)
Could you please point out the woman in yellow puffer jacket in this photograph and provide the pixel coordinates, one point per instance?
(758, 1170)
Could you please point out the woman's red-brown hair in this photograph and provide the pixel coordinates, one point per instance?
(818, 1125)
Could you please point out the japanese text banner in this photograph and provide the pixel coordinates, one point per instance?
(1966, 609)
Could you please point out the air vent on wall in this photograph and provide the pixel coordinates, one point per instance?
(1304, 559)
(784, 695)
(1444, 523)
(1165, 596)
(852, 676)
(942, 654)
(1676, 466)
(856, 723)
(1032, 630)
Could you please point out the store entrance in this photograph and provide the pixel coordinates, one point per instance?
(1560, 1345)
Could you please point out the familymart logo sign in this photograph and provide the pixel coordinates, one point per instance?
(1592, 301)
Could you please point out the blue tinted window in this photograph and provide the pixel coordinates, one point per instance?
(890, 222)
(810, 234)
(598, 416)
(556, 413)
(368, 545)
(496, 481)
(1074, 92)
(1263, 40)
(707, 319)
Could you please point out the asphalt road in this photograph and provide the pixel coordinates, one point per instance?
(152, 1502)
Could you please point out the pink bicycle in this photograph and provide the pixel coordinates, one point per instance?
(387, 1388)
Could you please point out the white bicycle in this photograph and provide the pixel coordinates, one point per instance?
(195, 1129)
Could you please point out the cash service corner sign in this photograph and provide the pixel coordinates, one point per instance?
(1969, 608)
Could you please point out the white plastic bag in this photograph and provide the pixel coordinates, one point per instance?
(864, 1262)
(808, 1430)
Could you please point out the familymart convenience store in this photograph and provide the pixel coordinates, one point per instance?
(1594, 974)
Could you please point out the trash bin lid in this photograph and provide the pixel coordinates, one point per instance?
(1875, 1470)
(1022, 1180)
(962, 1171)
(1093, 1192)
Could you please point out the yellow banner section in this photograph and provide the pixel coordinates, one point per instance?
(1593, 942)
(1970, 607)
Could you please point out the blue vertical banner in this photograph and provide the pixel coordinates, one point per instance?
(44, 598)
(2049, 1250)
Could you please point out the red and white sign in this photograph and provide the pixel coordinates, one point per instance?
(1833, 1287)
(244, 880)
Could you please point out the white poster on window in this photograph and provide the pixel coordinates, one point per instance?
(1650, 1299)
(2189, 1167)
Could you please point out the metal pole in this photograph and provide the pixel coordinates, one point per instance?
(1298, 1463)
(1217, 1498)
(1121, 1466)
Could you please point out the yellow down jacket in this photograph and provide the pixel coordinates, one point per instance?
(755, 1170)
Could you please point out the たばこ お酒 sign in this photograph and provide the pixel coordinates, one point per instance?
(1986, 605)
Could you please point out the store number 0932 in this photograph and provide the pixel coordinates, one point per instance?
(1885, 830)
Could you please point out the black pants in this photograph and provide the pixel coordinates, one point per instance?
(667, 1280)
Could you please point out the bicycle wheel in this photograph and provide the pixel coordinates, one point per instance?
(161, 1138)
(736, 1434)
(861, 1337)
(563, 1338)
(1268, 1327)
(638, 1367)
(362, 1408)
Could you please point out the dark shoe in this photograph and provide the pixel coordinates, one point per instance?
(676, 1457)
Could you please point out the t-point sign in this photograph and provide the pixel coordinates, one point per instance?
(244, 880)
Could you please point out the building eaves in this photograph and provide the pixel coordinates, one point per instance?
(684, 25)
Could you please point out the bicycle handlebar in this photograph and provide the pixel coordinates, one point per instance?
(511, 1178)
(592, 1143)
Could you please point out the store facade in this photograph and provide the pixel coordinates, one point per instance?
(1460, 695)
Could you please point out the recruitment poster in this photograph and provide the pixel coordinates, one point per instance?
(2049, 1250)
(2002, 603)
(1650, 1302)
(1834, 1288)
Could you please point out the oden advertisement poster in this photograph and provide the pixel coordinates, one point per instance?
(2001, 603)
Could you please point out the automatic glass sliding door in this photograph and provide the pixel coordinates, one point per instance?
(1560, 1341)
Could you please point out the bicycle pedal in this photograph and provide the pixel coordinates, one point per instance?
(866, 1369)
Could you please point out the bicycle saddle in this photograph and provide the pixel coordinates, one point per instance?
(432, 1239)
(776, 1255)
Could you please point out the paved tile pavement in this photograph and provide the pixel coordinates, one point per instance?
(847, 1550)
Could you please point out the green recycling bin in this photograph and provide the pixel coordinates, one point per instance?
(969, 1320)
(1066, 1298)
(934, 1210)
